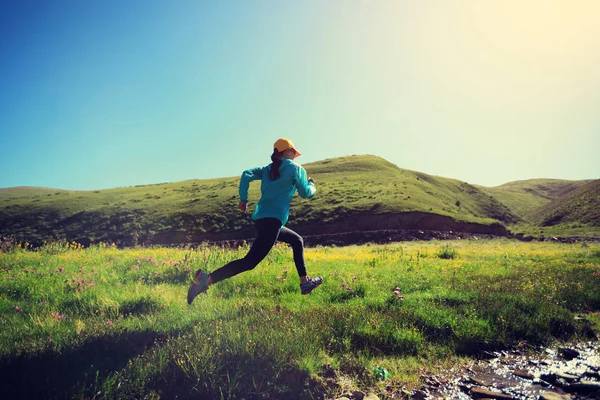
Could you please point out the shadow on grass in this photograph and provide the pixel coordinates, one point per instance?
(138, 307)
(253, 382)
(52, 375)
(347, 295)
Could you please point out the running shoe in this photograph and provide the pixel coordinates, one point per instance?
(200, 285)
(310, 284)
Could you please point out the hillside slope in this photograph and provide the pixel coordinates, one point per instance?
(373, 185)
(581, 205)
(26, 191)
(525, 198)
(354, 193)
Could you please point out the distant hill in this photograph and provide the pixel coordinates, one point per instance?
(25, 191)
(355, 194)
(525, 198)
(369, 183)
(581, 205)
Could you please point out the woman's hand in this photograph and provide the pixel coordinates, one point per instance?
(311, 180)
(243, 206)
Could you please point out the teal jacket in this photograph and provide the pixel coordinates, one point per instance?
(277, 195)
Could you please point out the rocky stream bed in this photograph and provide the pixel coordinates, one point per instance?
(561, 373)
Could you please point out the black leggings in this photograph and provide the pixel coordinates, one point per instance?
(268, 233)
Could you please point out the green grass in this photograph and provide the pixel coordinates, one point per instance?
(107, 323)
(565, 230)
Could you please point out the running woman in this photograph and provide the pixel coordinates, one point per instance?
(279, 182)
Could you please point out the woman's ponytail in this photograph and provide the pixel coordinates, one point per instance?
(274, 172)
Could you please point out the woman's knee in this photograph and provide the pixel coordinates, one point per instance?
(297, 242)
(253, 258)
(248, 264)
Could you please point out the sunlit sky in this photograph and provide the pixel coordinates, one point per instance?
(101, 94)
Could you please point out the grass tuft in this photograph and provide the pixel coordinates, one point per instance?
(447, 253)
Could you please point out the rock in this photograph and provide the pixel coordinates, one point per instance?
(371, 396)
(523, 374)
(431, 381)
(550, 378)
(567, 377)
(594, 375)
(583, 387)
(550, 352)
(541, 382)
(418, 395)
(545, 395)
(593, 367)
(568, 353)
(594, 395)
(328, 371)
(463, 388)
(331, 384)
(485, 393)
(561, 383)
(358, 395)
(478, 381)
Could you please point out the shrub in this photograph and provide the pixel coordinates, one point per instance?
(447, 253)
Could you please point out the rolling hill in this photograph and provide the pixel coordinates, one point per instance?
(25, 191)
(524, 198)
(355, 193)
(581, 205)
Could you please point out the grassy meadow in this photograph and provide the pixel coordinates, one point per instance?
(103, 322)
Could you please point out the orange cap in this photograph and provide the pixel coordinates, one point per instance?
(284, 144)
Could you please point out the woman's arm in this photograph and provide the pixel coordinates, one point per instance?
(306, 187)
(248, 176)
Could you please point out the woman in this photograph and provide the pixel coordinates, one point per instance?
(279, 182)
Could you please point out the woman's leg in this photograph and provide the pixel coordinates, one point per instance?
(306, 284)
(293, 239)
(268, 231)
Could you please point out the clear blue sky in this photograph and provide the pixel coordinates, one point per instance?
(102, 93)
